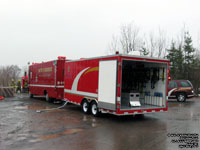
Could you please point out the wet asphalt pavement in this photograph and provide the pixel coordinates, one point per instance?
(22, 128)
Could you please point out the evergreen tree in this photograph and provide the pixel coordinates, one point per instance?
(179, 62)
(189, 55)
(196, 74)
(172, 57)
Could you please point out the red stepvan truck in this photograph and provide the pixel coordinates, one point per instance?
(117, 84)
(47, 79)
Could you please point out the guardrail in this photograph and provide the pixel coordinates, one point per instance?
(7, 91)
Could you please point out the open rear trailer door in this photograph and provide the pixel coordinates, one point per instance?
(107, 84)
(144, 82)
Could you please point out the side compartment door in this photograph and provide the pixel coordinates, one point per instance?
(107, 84)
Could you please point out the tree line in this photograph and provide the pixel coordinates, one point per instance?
(184, 57)
(185, 61)
(9, 73)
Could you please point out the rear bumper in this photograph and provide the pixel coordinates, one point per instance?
(135, 112)
(190, 96)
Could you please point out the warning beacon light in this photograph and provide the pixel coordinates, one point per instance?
(61, 58)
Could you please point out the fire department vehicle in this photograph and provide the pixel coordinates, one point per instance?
(117, 84)
(25, 82)
(47, 79)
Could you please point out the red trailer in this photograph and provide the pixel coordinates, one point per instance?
(117, 84)
(47, 78)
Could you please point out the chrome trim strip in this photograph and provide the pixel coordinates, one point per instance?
(81, 93)
(40, 85)
(190, 95)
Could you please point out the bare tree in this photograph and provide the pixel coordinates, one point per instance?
(144, 49)
(7, 73)
(198, 43)
(181, 36)
(114, 45)
(129, 38)
(157, 44)
(152, 44)
(161, 43)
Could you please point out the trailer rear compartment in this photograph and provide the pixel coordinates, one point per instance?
(143, 85)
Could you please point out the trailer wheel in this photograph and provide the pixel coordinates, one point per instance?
(94, 109)
(181, 97)
(86, 107)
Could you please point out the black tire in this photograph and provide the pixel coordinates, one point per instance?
(85, 107)
(181, 97)
(30, 95)
(94, 109)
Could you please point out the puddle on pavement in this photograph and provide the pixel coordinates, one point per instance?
(174, 105)
(36, 107)
(21, 107)
(33, 107)
(21, 138)
(56, 110)
(37, 101)
(66, 132)
(22, 134)
(35, 140)
(93, 120)
(25, 136)
(95, 125)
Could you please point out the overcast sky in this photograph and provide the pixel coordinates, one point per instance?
(41, 30)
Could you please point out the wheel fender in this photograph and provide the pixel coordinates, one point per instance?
(89, 100)
(94, 100)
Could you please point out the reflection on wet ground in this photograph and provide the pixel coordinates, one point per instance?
(69, 131)
(21, 127)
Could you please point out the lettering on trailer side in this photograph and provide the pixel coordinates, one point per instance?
(49, 69)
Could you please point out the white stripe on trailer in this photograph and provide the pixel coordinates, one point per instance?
(81, 93)
(75, 83)
(39, 85)
(60, 86)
